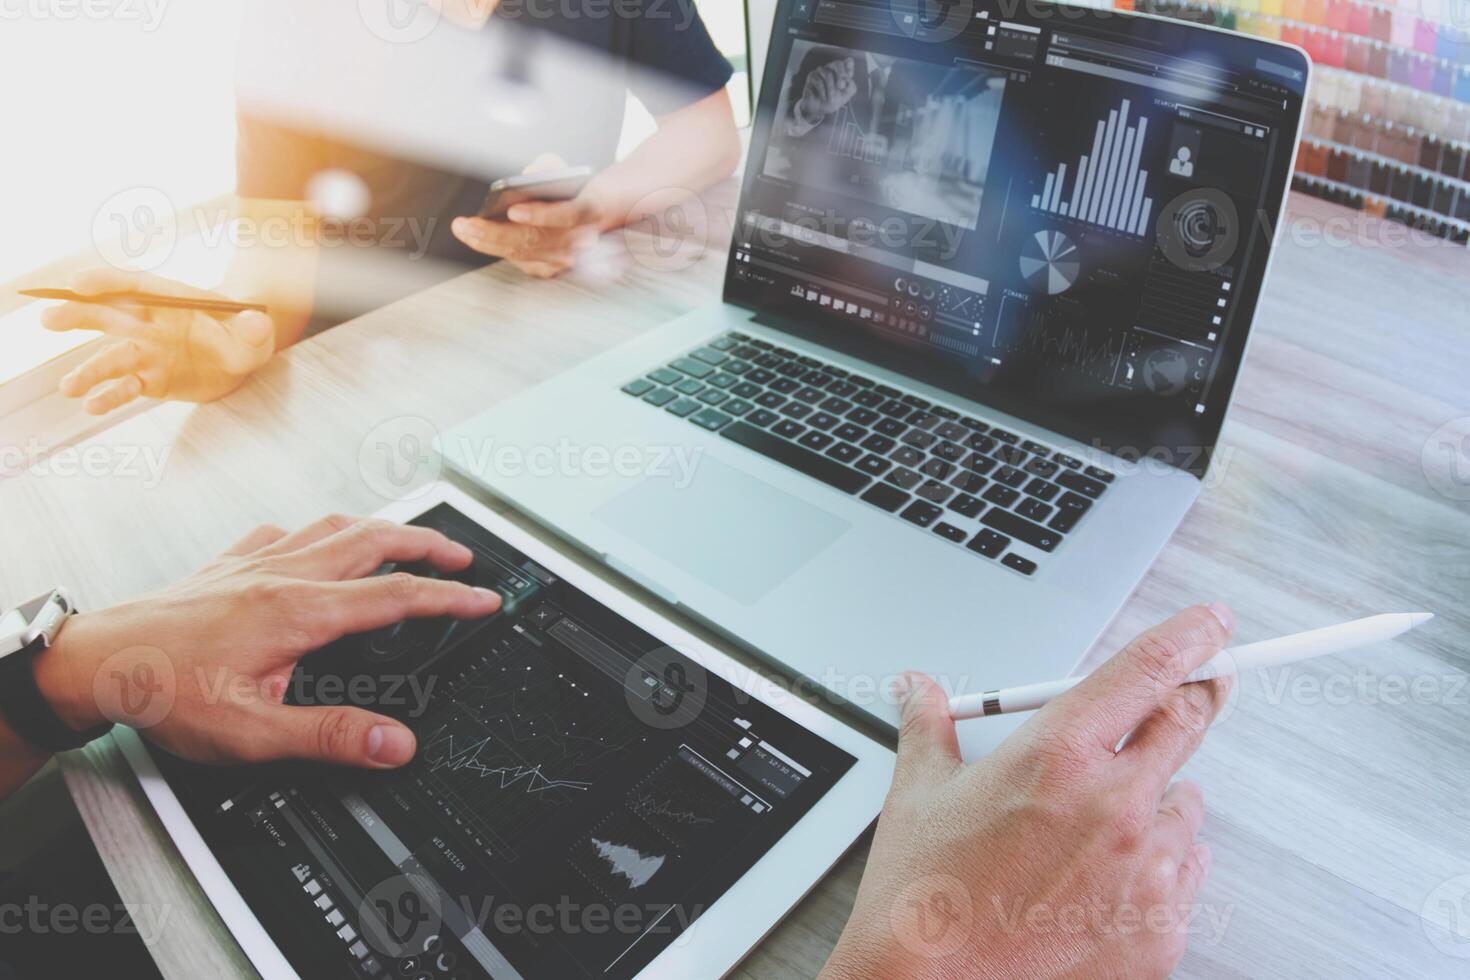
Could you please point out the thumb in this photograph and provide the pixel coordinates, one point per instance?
(255, 336)
(340, 735)
(926, 735)
(254, 328)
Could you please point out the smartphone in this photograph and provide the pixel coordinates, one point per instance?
(544, 185)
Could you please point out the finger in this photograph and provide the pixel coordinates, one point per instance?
(310, 534)
(572, 246)
(370, 603)
(114, 394)
(575, 213)
(345, 736)
(1193, 871)
(96, 281)
(255, 336)
(1173, 731)
(264, 535)
(927, 743)
(1181, 814)
(819, 85)
(367, 545)
(95, 316)
(541, 270)
(1112, 700)
(116, 360)
(502, 238)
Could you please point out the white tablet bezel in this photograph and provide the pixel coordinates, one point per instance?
(730, 928)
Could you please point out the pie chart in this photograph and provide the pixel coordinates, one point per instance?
(1049, 262)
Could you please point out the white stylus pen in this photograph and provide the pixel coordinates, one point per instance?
(1266, 653)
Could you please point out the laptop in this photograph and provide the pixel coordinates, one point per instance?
(990, 286)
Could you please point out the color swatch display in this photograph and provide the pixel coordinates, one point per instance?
(1388, 124)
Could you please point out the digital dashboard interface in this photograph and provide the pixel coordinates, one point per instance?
(1062, 212)
(580, 795)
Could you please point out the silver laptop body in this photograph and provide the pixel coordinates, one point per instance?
(1010, 263)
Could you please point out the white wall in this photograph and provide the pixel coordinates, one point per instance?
(93, 106)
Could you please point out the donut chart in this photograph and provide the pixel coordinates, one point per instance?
(1050, 262)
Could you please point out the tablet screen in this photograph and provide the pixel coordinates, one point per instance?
(580, 795)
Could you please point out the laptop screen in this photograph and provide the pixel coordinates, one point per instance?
(1061, 212)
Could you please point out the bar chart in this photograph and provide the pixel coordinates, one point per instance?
(848, 139)
(1107, 186)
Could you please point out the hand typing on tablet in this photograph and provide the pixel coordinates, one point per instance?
(201, 666)
(1056, 855)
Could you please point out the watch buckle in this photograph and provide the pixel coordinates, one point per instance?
(49, 619)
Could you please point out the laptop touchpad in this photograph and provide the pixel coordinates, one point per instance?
(729, 530)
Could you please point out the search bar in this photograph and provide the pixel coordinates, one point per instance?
(1153, 81)
(854, 16)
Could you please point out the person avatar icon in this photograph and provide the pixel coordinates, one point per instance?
(1182, 165)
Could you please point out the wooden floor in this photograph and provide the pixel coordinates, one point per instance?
(1339, 791)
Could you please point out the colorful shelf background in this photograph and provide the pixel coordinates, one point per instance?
(1388, 112)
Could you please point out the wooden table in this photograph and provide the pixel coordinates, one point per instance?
(1335, 810)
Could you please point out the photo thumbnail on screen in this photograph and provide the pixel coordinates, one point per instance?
(902, 134)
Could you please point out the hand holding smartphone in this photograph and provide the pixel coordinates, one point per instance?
(563, 219)
(561, 184)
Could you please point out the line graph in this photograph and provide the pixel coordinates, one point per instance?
(1092, 351)
(517, 734)
(679, 809)
(1076, 347)
(442, 753)
(648, 806)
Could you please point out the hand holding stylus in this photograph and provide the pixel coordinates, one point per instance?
(827, 89)
(187, 354)
(1266, 653)
(1058, 854)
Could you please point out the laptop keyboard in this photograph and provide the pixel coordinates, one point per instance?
(979, 486)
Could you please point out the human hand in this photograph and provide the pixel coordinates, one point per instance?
(186, 355)
(1055, 856)
(541, 238)
(827, 89)
(204, 664)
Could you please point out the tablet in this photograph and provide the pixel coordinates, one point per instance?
(596, 793)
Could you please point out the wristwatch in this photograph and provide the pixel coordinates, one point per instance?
(24, 632)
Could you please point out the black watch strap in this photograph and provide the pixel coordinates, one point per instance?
(27, 711)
